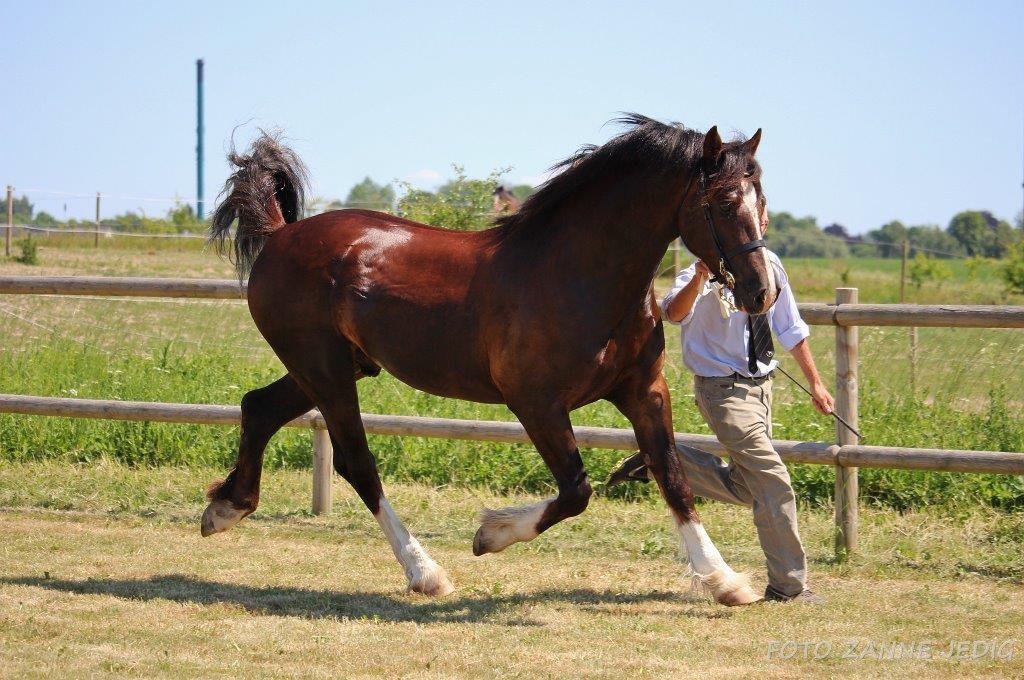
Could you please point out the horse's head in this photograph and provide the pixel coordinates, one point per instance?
(723, 218)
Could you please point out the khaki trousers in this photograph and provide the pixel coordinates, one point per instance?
(739, 412)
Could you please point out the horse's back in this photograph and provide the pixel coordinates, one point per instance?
(401, 292)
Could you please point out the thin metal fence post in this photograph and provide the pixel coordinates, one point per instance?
(323, 467)
(846, 407)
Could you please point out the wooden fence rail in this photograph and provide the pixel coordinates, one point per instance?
(819, 453)
(814, 313)
(846, 455)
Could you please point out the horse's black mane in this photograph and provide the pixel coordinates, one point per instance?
(657, 147)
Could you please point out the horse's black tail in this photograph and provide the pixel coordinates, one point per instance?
(266, 191)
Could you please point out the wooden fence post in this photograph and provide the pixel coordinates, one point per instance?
(846, 407)
(323, 469)
(913, 330)
(96, 240)
(10, 220)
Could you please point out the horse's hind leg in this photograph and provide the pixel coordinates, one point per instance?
(330, 377)
(264, 412)
(551, 432)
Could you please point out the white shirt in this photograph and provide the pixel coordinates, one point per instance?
(714, 346)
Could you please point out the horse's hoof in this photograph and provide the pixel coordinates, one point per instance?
(730, 589)
(480, 543)
(220, 516)
(739, 597)
(432, 583)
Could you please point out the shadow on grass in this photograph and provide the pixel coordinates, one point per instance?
(510, 610)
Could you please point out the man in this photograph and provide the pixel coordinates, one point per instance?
(732, 358)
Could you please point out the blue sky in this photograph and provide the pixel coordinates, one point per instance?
(871, 111)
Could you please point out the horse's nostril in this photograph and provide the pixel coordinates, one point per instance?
(760, 298)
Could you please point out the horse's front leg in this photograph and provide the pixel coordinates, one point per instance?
(645, 401)
(551, 432)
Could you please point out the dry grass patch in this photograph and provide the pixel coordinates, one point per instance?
(119, 583)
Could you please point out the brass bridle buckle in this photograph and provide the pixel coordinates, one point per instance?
(726, 275)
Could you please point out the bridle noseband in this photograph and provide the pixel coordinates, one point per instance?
(724, 275)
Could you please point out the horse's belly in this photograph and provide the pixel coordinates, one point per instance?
(456, 385)
(431, 349)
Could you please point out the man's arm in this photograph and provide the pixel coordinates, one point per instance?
(680, 304)
(822, 399)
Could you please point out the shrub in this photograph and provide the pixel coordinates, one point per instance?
(924, 268)
(463, 204)
(29, 251)
(1013, 270)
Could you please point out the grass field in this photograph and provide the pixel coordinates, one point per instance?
(105, 575)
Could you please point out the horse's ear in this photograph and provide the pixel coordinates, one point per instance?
(751, 144)
(712, 148)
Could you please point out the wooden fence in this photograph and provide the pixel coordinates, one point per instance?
(846, 455)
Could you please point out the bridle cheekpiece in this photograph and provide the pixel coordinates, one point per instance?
(724, 275)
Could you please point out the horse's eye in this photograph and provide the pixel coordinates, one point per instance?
(749, 171)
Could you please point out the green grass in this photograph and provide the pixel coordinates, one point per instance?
(964, 394)
(104, 575)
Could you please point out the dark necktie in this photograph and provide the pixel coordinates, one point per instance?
(761, 347)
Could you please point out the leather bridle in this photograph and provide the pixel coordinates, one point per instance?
(724, 275)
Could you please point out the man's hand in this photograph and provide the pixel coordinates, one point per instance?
(823, 401)
(681, 305)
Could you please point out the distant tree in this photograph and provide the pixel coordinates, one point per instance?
(891, 234)
(981, 233)
(970, 229)
(44, 219)
(994, 240)
(792, 236)
(1003, 238)
(933, 240)
(839, 231)
(370, 196)
(22, 210)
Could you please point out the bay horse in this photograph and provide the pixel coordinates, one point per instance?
(504, 201)
(551, 309)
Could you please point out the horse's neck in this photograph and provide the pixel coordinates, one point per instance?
(610, 253)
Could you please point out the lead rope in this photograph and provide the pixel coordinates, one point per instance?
(832, 413)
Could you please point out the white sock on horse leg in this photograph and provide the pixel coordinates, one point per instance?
(727, 587)
(700, 550)
(424, 574)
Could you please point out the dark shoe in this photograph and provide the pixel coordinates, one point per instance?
(803, 597)
(632, 469)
